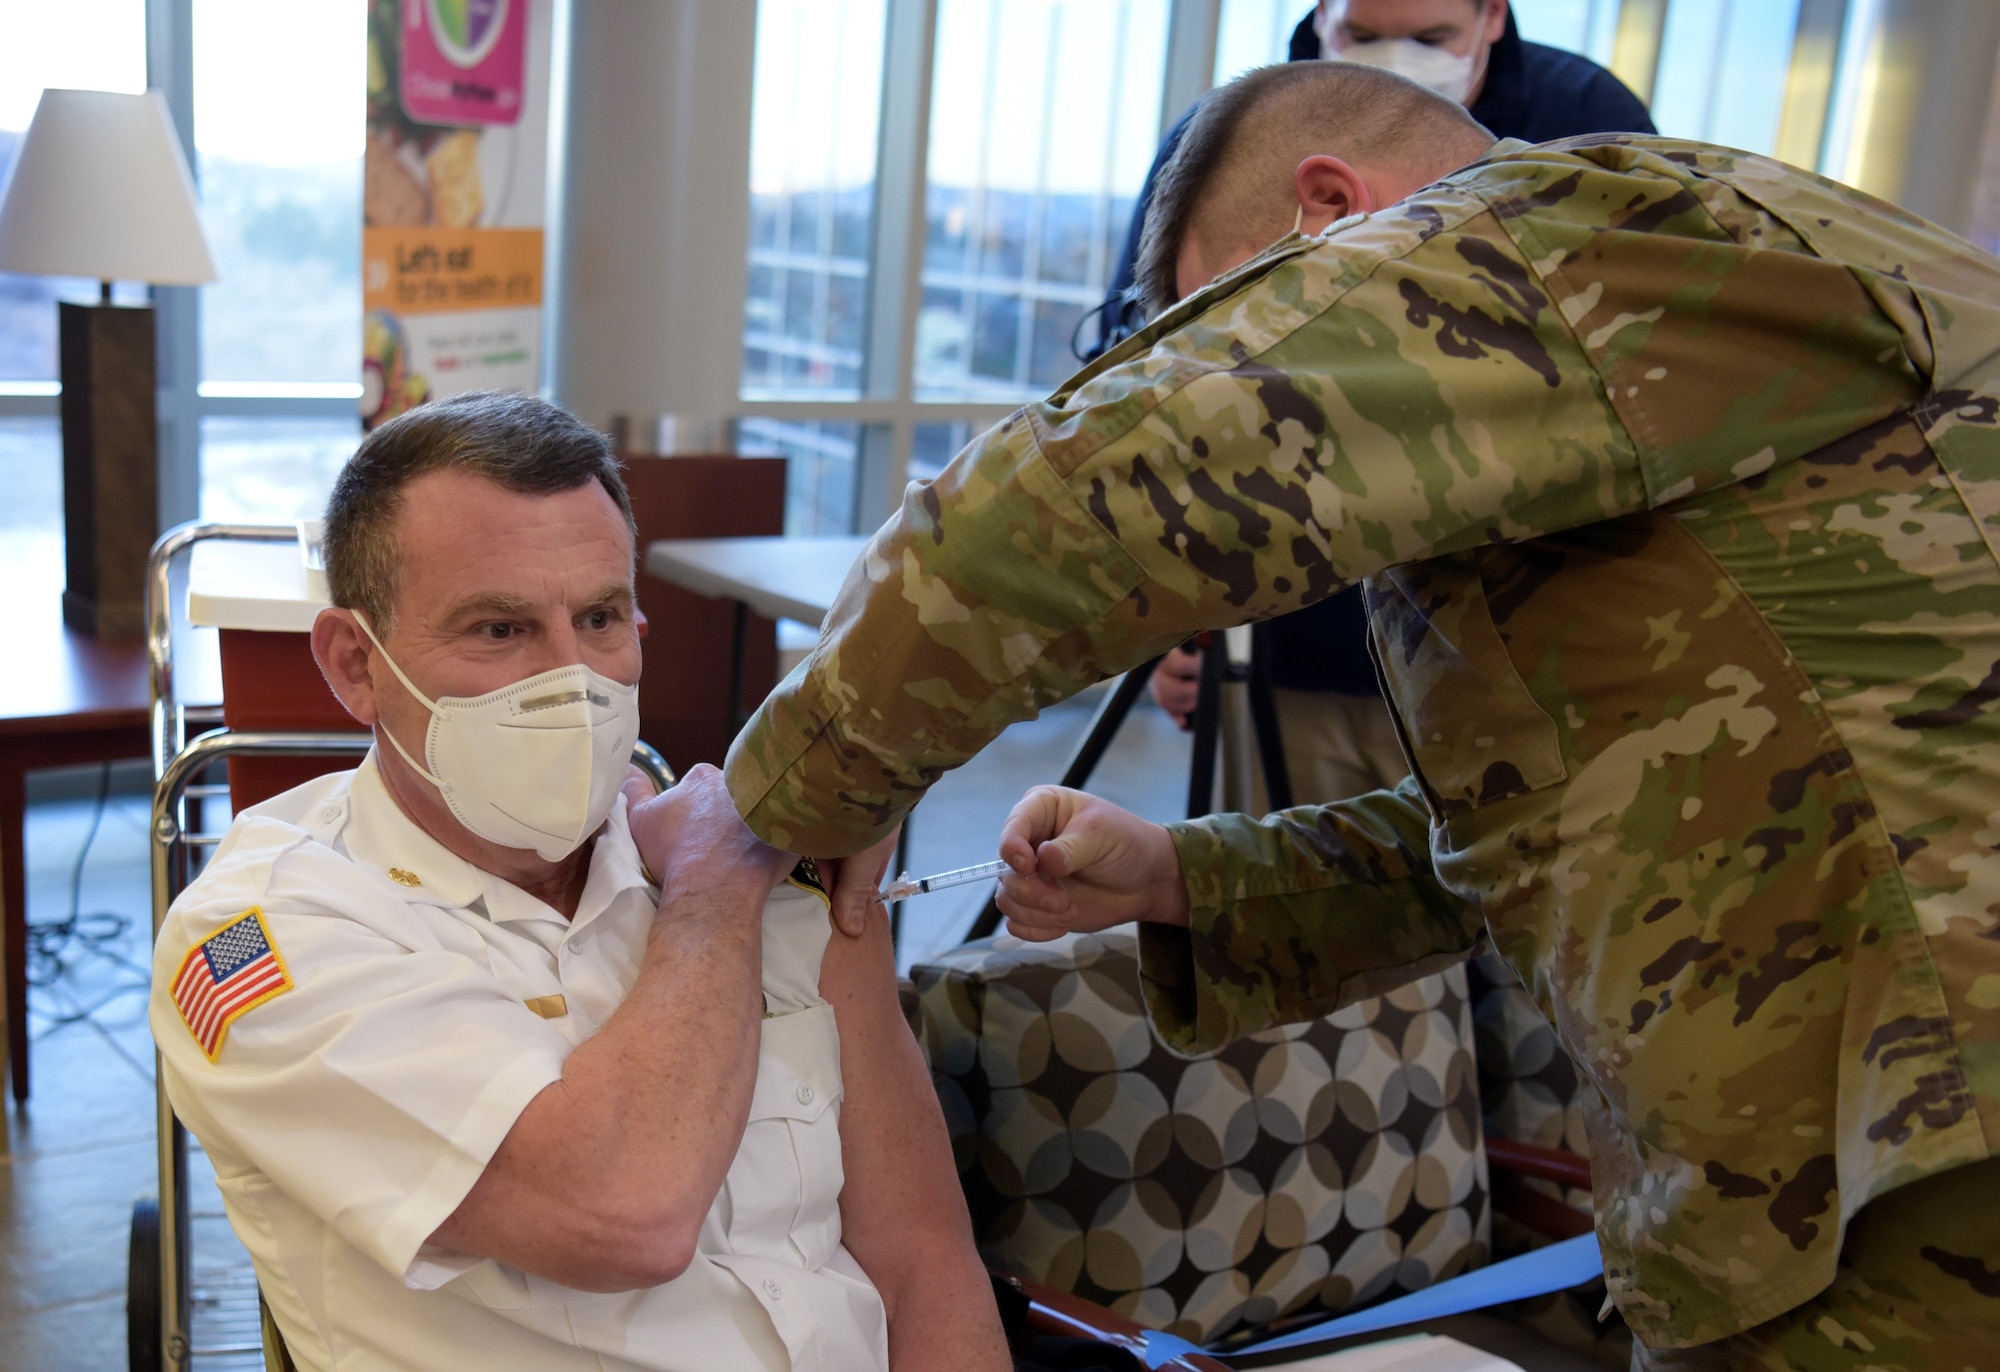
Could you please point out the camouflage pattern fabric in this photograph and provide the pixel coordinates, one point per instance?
(1918, 1290)
(1298, 1172)
(1675, 474)
(1530, 1091)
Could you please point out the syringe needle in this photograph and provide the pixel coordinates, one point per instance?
(905, 886)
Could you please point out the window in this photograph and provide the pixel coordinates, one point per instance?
(266, 470)
(822, 472)
(277, 103)
(31, 515)
(935, 446)
(890, 303)
(815, 110)
(1722, 71)
(1585, 26)
(277, 129)
(1255, 33)
(80, 44)
(1044, 117)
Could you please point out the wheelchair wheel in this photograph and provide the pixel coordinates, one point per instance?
(142, 1289)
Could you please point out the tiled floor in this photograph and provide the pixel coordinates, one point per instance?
(82, 1149)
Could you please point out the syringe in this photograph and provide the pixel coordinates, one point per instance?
(905, 886)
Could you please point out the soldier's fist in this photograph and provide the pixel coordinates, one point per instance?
(1081, 864)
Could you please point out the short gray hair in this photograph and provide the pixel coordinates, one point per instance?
(515, 441)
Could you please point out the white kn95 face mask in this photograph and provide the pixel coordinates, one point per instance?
(1442, 70)
(533, 765)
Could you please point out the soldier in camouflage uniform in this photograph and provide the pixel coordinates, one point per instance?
(1675, 473)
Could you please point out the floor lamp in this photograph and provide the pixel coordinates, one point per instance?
(100, 189)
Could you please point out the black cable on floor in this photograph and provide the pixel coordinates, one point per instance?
(56, 945)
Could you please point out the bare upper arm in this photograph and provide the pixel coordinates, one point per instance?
(901, 1199)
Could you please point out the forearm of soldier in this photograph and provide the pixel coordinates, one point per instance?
(951, 628)
(952, 625)
(604, 1179)
(1295, 916)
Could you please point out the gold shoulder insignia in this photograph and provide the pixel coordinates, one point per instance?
(806, 877)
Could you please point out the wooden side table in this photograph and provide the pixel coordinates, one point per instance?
(65, 699)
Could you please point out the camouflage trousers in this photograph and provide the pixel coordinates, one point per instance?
(1918, 1291)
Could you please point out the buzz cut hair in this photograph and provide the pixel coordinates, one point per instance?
(1230, 181)
(517, 442)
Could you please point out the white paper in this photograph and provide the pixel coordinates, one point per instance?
(1412, 1353)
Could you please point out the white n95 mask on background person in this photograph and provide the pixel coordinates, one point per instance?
(533, 765)
(1440, 69)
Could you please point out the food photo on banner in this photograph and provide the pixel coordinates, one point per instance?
(451, 243)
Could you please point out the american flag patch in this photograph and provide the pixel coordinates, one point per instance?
(232, 971)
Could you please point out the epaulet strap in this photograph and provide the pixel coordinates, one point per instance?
(806, 877)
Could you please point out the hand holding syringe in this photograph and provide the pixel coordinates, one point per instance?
(905, 886)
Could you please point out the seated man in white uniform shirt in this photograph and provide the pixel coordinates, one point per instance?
(481, 1091)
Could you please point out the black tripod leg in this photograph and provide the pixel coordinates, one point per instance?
(1083, 761)
(1104, 724)
(1264, 717)
(1207, 727)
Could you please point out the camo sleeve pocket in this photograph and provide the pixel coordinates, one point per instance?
(1471, 729)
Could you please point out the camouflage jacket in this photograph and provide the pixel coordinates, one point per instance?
(1676, 476)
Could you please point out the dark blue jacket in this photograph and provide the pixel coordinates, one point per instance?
(1532, 92)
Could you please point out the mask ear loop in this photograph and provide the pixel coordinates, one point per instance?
(409, 686)
(1299, 219)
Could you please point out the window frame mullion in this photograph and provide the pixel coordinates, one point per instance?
(1192, 29)
(896, 251)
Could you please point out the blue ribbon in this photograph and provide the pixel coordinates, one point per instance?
(1554, 1268)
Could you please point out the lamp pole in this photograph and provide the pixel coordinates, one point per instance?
(110, 433)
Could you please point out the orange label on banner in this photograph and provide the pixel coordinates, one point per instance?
(408, 271)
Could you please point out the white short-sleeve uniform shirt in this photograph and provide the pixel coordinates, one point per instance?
(428, 1003)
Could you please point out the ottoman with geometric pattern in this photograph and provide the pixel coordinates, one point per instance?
(1531, 1092)
(1303, 1170)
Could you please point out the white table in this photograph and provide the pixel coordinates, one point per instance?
(238, 585)
(779, 578)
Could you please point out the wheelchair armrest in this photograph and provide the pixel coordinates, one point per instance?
(1512, 1162)
(1532, 1160)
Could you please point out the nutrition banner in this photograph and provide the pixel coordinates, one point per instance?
(451, 243)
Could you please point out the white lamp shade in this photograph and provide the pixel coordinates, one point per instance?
(100, 189)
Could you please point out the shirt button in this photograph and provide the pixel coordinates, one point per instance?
(329, 814)
(577, 944)
(805, 1094)
(773, 1290)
